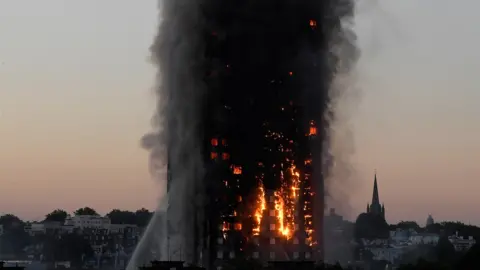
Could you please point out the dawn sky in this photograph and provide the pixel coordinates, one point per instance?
(76, 97)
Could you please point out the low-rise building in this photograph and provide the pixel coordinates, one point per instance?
(461, 243)
(424, 238)
(34, 228)
(390, 253)
(88, 221)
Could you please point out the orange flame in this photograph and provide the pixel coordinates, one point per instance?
(262, 205)
(280, 211)
(237, 169)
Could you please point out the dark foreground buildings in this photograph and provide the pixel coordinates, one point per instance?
(262, 128)
(4, 267)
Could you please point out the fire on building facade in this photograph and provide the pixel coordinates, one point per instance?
(261, 142)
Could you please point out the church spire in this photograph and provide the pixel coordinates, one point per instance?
(375, 197)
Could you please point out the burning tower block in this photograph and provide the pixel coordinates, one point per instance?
(262, 73)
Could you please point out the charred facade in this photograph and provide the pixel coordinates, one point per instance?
(262, 128)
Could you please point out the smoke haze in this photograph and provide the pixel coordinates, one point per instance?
(178, 51)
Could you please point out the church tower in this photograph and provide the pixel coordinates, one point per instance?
(375, 207)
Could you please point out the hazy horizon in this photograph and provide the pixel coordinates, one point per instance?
(76, 97)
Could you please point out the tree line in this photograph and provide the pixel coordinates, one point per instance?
(140, 217)
(15, 238)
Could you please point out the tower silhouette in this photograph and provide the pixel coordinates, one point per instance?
(375, 207)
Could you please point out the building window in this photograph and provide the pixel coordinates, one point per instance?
(307, 255)
(272, 199)
(219, 255)
(272, 241)
(296, 255)
(238, 226)
(226, 226)
(272, 227)
(237, 169)
(272, 255)
(232, 254)
(295, 241)
(220, 240)
(225, 156)
(313, 131)
(272, 213)
(213, 155)
(256, 255)
(214, 142)
(297, 227)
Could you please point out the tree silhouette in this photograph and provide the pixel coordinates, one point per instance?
(471, 259)
(10, 221)
(371, 226)
(57, 215)
(142, 217)
(122, 217)
(445, 251)
(68, 247)
(14, 237)
(86, 211)
(406, 225)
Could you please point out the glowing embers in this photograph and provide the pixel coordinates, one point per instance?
(237, 226)
(313, 24)
(308, 161)
(295, 186)
(261, 206)
(307, 206)
(225, 226)
(214, 142)
(313, 129)
(236, 169)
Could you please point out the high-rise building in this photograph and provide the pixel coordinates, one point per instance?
(262, 137)
(263, 189)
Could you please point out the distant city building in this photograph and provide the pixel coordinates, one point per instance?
(6, 266)
(376, 208)
(399, 243)
(333, 222)
(34, 228)
(400, 236)
(430, 220)
(424, 238)
(390, 254)
(88, 221)
(461, 243)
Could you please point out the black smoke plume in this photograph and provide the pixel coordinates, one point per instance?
(230, 67)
